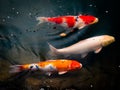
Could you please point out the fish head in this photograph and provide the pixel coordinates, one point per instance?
(88, 19)
(75, 65)
(106, 40)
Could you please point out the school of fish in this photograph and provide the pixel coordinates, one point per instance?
(82, 48)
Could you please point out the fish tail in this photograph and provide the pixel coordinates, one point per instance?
(53, 50)
(15, 68)
(41, 20)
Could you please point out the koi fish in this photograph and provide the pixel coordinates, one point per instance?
(93, 44)
(70, 21)
(50, 66)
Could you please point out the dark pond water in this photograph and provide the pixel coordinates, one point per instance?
(22, 41)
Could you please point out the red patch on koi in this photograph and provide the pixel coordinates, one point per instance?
(57, 20)
(70, 21)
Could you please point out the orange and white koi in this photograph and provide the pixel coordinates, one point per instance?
(70, 21)
(50, 66)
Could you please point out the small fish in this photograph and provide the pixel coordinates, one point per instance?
(49, 67)
(70, 21)
(93, 44)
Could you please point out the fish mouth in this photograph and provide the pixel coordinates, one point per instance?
(80, 65)
(95, 21)
(107, 40)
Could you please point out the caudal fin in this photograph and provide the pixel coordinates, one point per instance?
(15, 68)
(41, 20)
(53, 50)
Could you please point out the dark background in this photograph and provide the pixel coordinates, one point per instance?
(22, 41)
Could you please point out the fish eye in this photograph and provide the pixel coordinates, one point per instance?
(32, 66)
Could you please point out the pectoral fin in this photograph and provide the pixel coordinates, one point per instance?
(48, 73)
(63, 72)
(81, 26)
(84, 55)
(63, 34)
(98, 50)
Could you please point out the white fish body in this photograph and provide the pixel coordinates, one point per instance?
(93, 44)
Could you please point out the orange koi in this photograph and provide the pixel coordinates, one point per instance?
(49, 67)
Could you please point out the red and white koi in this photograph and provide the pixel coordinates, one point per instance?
(70, 21)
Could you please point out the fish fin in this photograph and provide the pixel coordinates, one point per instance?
(98, 50)
(53, 49)
(81, 26)
(84, 55)
(63, 34)
(15, 68)
(41, 20)
(48, 73)
(62, 72)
